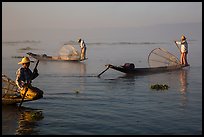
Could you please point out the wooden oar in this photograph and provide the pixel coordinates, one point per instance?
(23, 97)
(178, 46)
(36, 65)
(104, 71)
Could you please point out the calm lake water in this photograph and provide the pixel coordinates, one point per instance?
(76, 101)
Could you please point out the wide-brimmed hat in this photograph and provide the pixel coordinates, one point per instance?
(183, 37)
(25, 60)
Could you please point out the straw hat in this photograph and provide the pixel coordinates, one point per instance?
(183, 37)
(24, 60)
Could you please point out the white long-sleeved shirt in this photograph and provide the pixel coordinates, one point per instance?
(82, 44)
(184, 45)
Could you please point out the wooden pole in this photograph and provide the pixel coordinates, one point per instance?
(103, 71)
(178, 47)
(23, 97)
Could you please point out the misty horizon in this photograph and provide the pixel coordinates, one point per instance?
(125, 34)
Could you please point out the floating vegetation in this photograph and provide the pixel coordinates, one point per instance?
(17, 56)
(76, 91)
(32, 115)
(25, 41)
(159, 87)
(36, 115)
(27, 48)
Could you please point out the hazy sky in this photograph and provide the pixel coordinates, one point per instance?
(80, 15)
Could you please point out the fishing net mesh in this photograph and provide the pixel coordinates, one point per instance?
(69, 52)
(9, 86)
(160, 57)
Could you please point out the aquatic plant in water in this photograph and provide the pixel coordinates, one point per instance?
(159, 87)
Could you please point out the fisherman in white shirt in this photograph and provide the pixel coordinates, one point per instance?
(183, 50)
(83, 48)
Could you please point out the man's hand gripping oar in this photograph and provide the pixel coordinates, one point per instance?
(177, 46)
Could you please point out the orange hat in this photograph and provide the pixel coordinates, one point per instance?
(24, 60)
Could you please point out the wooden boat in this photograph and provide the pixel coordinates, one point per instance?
(11, 100)
(143, 71)
(44, 57)
(10, 94)
(159, 60)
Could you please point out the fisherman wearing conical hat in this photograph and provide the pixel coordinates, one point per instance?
(184, 50)
(24, 75)
(83, 48)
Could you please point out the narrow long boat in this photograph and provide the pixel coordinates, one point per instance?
(11, 100)
(159, 60)
(44, 57)
(143, 71)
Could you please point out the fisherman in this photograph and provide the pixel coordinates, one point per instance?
(83, 48)
(183, 50)
(24, 77)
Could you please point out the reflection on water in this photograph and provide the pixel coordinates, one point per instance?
(175, 80)
(62, 67)
(25, 119)
(183, 81)
(82, 69)
(183, 86)
(82, 73)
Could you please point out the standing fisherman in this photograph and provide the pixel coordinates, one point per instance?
(183, 50)
(83, 48)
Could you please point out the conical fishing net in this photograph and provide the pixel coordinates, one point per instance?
(160, 57)
(69, 52)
